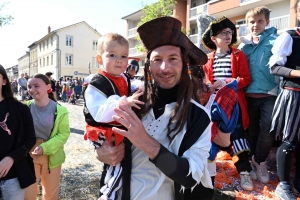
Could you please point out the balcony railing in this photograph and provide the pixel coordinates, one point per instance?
(132, 32)
(280, 23)
(134, 51)
(194, 38)
(198, 10)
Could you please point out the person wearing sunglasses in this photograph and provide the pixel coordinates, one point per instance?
(131, 71)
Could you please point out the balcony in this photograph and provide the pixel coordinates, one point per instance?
(280, 23)
(198, 10)
(194, 38)
(132, 32)
(134, 52)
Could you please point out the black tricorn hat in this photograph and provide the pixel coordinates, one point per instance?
(214, 28)
(167, 31)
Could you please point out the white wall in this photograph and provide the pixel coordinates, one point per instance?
(280, 8)
(23, 64)
(82, 49)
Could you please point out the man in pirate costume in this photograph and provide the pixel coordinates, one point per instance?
(170, 135)
(105, 91)
(225, 64)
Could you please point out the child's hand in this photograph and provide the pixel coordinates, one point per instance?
(131, 101)
(216, 85)
(38, 151)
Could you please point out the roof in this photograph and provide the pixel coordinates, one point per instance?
(139, 12)
(26, 55)
(53, 32)
(32, 44)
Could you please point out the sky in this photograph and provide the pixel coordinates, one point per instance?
(32, 18)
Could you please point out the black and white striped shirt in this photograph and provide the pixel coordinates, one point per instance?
(222, 66)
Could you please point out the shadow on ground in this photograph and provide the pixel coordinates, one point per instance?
(77, 131)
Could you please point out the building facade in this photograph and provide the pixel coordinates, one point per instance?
(187, 11)
(23, 64)
(68, 51)
(12, 73)
(33, 59)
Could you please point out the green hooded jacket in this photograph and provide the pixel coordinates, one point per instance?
(54, 147)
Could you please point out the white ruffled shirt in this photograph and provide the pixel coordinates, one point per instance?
(147, 181)
(282, 48)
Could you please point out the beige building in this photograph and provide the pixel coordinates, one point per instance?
(187, 11)
(23, 64)
(68, 51)
(33, 59)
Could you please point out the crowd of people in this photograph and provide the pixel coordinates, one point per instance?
(66, 89)
(158, 137)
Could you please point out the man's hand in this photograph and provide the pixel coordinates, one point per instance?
(109, 154)
(136, 132)
(5, 165)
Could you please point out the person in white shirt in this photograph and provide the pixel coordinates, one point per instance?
(170, 134)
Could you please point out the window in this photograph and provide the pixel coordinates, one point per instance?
(44, 45)
(69, 59)
(40, 62)
(51, 59)
(43, 62)
(94, 63)
(47, 44)
(193, 31)
(69, 41)
(194, 4)
(240, 22)
(40, 46)
(51, 41)
(47, 60)
(95, 43)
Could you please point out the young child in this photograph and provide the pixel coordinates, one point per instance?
(64, 92)
(52, 129)
(104, 92)
(224, 64)
(261, 93)
(77, 89)
(69, 92)
(285, 62)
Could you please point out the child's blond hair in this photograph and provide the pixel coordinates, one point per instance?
(107, 38)
(260, 10)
